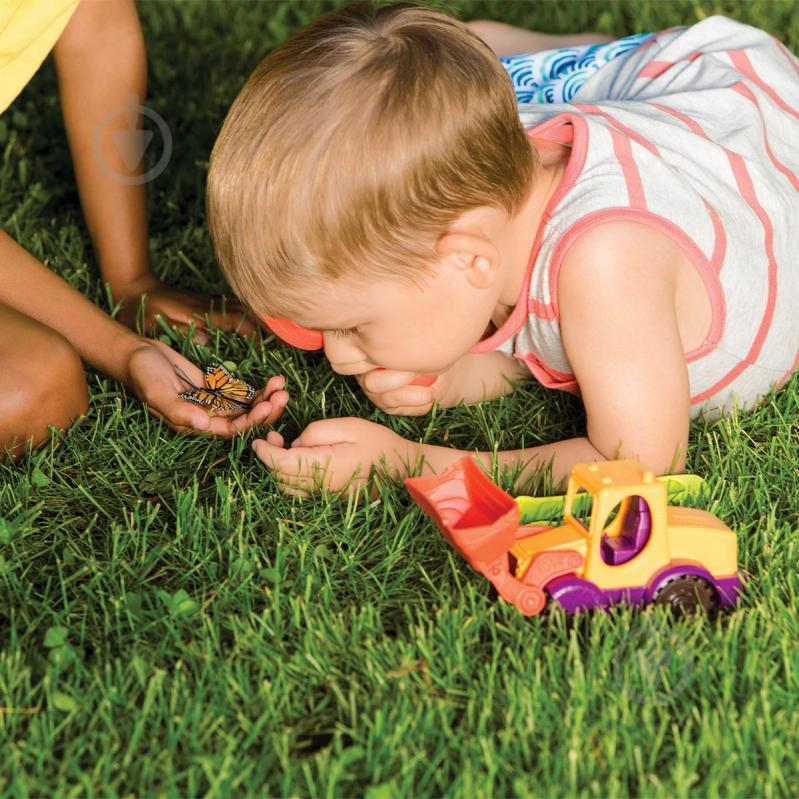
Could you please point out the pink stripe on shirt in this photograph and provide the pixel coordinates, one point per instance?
(624, 152)
(744, 90)
(634, 135)
(747, 190)
(742, 63)
(654, 69)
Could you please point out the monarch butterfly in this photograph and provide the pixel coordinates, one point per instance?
(222, 391)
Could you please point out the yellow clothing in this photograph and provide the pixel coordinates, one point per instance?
(28, 31)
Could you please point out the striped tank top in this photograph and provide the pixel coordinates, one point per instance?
(696, 134)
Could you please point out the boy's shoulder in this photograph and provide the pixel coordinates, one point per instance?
(619, 253)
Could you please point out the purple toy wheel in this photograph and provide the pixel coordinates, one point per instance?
(687, 593)
(576, 595)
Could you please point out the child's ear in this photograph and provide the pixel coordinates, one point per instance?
(474, 257)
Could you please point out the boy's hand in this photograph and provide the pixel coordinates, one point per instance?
(472, 378)
(152, 376)
(393, 393)
(178, 308)
(332, 454)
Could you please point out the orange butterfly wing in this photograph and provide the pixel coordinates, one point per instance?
(226, 404)
(222, 391)
(218, 379)
(199, 396)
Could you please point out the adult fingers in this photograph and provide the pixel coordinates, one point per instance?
(232, 318)
(275, 383)
(228, 426)
(180, 415)
(193, 324)
(262, 413)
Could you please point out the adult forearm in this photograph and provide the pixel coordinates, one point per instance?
(31, 288)
(506, 39)
(102, 74)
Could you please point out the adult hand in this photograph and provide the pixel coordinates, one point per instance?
(333, 454)
(179, 308)
(152, 376)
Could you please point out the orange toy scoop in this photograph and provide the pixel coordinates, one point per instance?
(480, 520)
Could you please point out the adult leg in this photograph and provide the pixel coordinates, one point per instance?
(509, 40)
(43, 382)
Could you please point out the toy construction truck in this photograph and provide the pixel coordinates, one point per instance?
(634, 548)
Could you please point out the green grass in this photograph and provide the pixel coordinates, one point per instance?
(170, 624)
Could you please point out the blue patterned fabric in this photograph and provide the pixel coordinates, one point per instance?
(555, 76)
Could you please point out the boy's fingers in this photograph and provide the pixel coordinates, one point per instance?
(268, 453)
(280, 398)
(379, 381)
(409, 410)
(259, 413)
(275, 439)
(286, 488)
(409, 397)
(323, 433)
(298, 462)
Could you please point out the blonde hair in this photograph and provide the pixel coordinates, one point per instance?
(354, 146)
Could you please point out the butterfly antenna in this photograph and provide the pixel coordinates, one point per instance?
(182, 375)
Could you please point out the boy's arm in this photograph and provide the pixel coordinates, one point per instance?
(618, 319)
(616, 301)
(616, 293)
(102, 74)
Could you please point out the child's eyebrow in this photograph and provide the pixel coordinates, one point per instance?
(339, 327)
(342, 326)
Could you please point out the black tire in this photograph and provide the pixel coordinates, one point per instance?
(687, 593)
